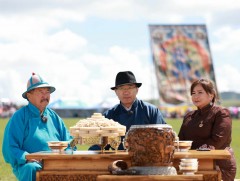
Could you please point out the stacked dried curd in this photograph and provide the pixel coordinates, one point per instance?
(97, 126)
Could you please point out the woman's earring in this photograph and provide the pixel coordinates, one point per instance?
(211, 103)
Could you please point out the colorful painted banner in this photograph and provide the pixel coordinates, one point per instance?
(181, 54)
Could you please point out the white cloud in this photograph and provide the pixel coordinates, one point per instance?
(228, 39)
(65, 41)
(53, 38)
(228, 78)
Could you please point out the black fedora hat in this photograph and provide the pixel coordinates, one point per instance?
(126, 77)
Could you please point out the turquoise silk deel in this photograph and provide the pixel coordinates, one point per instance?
(26, 133)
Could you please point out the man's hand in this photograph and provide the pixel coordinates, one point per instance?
(34, 160)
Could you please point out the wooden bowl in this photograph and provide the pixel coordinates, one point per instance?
(182, 145)
(57, 146)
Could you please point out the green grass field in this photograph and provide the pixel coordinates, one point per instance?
(6, 172)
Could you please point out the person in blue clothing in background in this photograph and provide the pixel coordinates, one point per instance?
(130, 111)
(30, 128)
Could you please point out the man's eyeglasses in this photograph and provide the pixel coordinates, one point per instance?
(126, 88)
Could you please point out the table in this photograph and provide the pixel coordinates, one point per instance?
(88, 165)
(150, 177)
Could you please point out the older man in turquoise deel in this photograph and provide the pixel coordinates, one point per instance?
(30, 128)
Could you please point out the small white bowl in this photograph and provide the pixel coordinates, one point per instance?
(189, 160)
(190, 168)
(188, 164)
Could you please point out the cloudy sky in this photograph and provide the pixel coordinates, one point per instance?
(79, 45)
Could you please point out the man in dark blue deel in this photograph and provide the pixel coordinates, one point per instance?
(131, 111)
